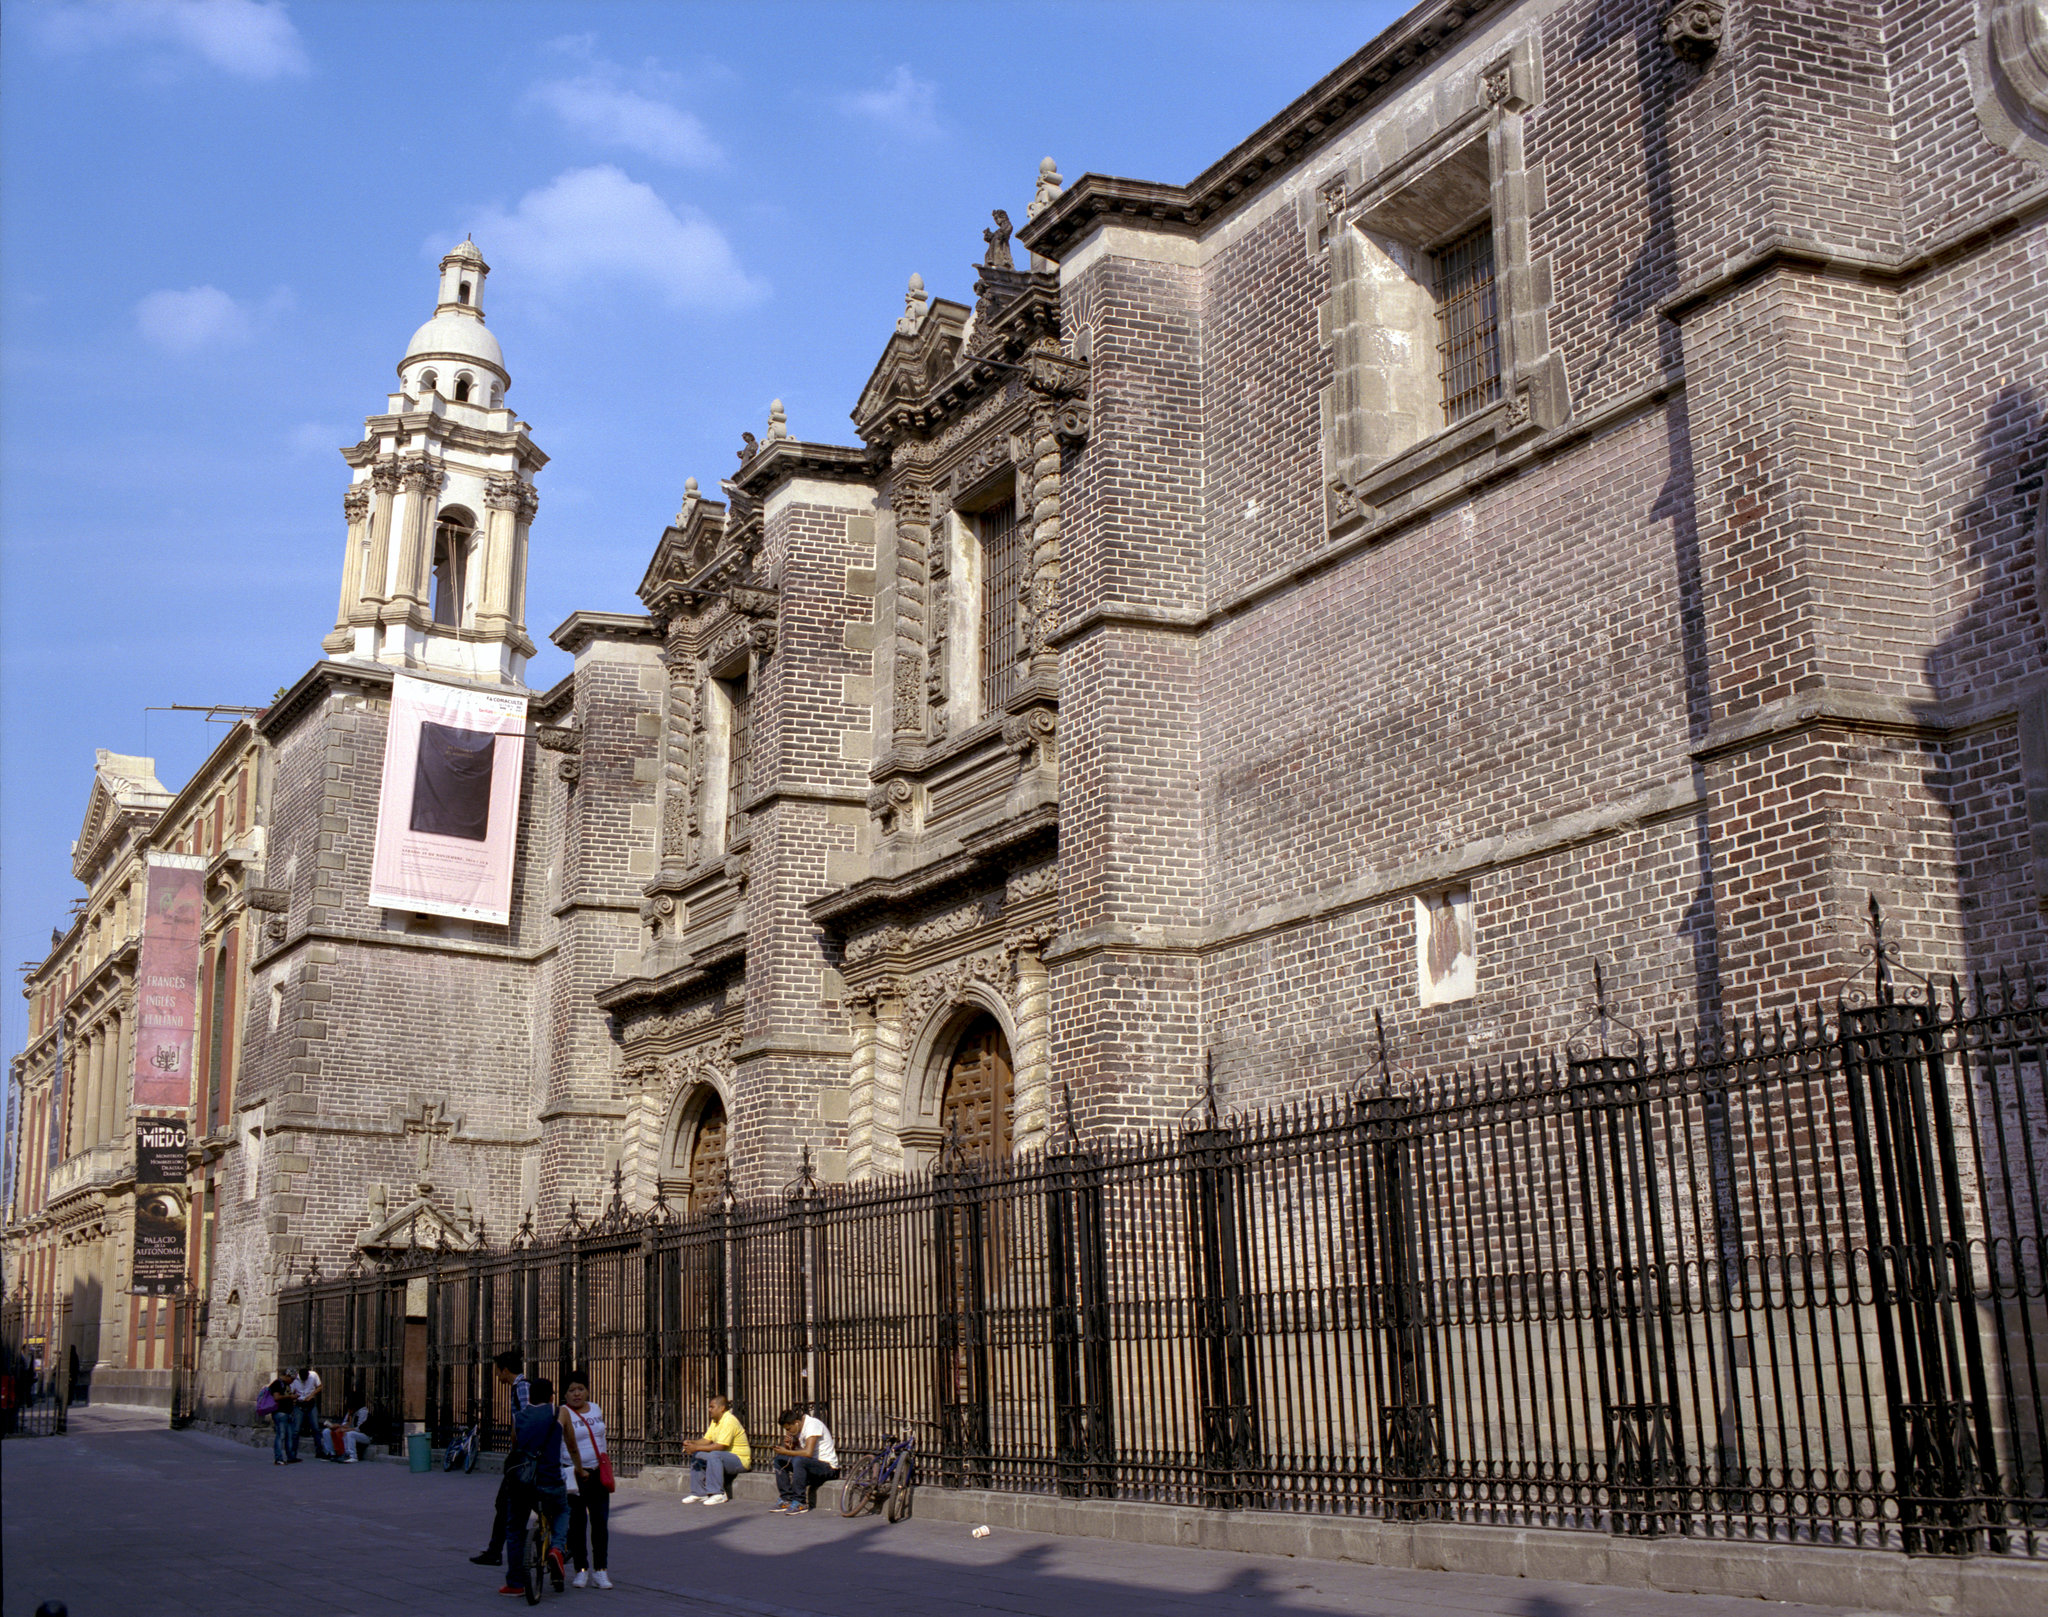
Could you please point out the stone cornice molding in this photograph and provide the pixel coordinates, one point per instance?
(1778, 252)
(1305, 126)
(782, 460)
(707, 967)
(527, 456)
(1025, 840)
(581, 630)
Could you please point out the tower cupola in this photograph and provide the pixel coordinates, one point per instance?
(434, 573)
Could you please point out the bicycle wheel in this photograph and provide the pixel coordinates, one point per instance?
(857, 1491)
(536, 1564)
(469, 1453)
(898, 1505)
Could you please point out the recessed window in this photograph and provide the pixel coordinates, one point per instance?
(451, 566)
(1445, 968)
(462, 293)
(1468, 323)
(429, 381)
(738, 740)
(1004, 545)
(462, 390)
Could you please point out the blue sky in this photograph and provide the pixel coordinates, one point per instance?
(218, 225)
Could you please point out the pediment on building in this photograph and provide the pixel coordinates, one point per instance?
(125, 792)
(913, 365)
(687, 546)
(424, 1222)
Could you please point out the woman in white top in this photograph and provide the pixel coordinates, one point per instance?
(590, 1501)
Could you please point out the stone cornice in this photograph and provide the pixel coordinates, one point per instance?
(1779, 252)
(581, 629)
(987, 853)
(783, 460)
(1834, 708)
(449, 434)
(314, 684)
(1304, 127)
(708, 966)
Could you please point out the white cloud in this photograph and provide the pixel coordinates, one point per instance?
(185, 322)
(252, 39)
(904, 103)
(596, 226)
(604, 111)
(203, 317)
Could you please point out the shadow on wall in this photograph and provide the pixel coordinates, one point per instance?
(1996, 546)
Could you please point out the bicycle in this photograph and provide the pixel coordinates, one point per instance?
(462, 1451)
(538, 1571)
(887, 1478)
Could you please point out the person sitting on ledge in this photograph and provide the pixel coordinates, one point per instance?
(806, 1457)
(720, 1454)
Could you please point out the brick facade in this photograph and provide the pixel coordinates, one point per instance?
(1725, 615)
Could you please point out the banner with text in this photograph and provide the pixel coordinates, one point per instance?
(160, 1150)
(158, 1265)
(448, 816)
(167, 988)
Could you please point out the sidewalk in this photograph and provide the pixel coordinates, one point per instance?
(126, 1519)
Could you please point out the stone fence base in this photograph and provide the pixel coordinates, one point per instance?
(1870, 1580)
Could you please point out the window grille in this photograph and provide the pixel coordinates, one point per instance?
(738, 739)
(1003, 536)
(1468, 323)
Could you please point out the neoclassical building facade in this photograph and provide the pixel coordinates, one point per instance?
(1566, 490)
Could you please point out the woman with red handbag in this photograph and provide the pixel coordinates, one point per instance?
(590, 1488)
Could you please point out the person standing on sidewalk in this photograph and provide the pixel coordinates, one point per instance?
(590, 1498)
(720, 1454)
(307, 1390)
(284, 1420)
(506, 1373)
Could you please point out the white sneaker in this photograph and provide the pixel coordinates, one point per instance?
(716, 1499)
(581, 1580)
(600, 1580)
(693, 1499)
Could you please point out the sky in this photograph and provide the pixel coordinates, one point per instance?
(219, 223)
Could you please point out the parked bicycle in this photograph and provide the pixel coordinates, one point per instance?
(884, 1480)
(461, 1455)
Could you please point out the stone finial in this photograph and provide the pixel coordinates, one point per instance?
(914, 305)
(778, 420)
(1050, 188)
(998, 239)
(689, 488)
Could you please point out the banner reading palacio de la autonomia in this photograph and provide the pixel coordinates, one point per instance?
(167, 982)
(448, 810)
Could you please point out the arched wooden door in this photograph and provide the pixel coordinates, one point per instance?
(981, 1091)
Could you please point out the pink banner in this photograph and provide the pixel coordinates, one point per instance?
(167, 988)
(448, 816)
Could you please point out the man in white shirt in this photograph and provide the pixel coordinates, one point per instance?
(805, 1457)
(307, 1390)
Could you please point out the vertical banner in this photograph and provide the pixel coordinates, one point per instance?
(160, 1150)
(167, 986)
(448, 814)
(158, 1266)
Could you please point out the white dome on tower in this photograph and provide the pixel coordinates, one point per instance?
(457, 333)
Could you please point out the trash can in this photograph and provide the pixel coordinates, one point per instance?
(419, 1452)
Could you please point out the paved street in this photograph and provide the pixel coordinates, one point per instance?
(123, 1519)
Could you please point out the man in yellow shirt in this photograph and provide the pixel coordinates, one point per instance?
(720, 1454)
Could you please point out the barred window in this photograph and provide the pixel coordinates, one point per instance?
(1002, 575)
(738, 739)
(1468, 323)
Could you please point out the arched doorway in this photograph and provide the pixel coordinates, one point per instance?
(697, 1152)
(980, 1092)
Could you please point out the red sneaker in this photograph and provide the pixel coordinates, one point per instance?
(512, 1589)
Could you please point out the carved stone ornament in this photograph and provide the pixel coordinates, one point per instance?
(421, 475)
(355, 504)
(569, 769)
(1496, 84)
(2008, 61)
(914, 305)
(751, 601)
(271, 900)
(1050, 188)
(274, 929)
(1030, 735)
(761, 639)
(558, 737)
(887, 801)
(998, 240)
(384, 475)
(1693, 29)
(736, 869)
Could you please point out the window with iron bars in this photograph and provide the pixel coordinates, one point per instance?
(1468, 323)
(738, 738)
(1003, 544)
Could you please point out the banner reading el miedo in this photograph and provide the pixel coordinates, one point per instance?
(167, 989)
(449, 811)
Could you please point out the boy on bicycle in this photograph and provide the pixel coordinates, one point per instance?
(533, 1479)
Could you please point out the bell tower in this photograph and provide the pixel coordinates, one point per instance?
(440, 504)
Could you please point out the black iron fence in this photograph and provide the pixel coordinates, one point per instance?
(1786, 1286)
